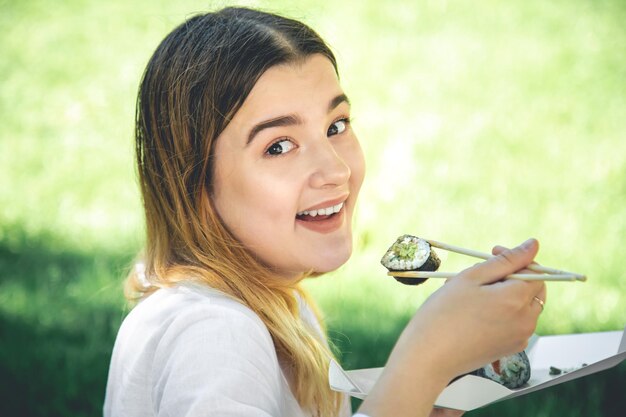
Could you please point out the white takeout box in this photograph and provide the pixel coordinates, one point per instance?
(598, 351)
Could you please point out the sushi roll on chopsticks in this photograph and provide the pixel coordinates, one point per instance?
(410, 253)
(411, 260)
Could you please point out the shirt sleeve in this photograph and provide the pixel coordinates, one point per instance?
(216, 361)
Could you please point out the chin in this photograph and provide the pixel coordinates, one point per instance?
(333, 260)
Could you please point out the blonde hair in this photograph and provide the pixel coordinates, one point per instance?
(194, 83)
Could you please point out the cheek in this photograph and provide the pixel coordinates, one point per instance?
(232, 196)
(253, 201)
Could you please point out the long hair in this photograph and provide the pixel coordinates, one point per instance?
(195, 82)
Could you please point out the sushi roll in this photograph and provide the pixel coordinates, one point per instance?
(512, 371)
(410, 253)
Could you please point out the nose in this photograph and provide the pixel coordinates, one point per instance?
(329, 168)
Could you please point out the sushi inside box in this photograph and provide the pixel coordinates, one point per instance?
(574, 355)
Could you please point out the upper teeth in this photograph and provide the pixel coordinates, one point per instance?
(322, 212)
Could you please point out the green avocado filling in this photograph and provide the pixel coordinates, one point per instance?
(404, 251)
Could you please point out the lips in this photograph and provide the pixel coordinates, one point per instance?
(324, 217)
(323, 212)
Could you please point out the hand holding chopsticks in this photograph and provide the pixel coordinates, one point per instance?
(545, 273)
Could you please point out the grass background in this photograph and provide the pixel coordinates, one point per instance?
(483, 122)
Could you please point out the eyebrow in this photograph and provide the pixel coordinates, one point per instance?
(291, 119)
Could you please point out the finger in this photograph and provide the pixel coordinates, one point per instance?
(519, 292)
(537, 304)
(497, 250)
(506, 262)
(532, 288)
(542, 294)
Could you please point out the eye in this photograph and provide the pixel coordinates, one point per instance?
(280, 147)
(338, 127)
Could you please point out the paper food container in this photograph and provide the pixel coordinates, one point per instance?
(577, 354)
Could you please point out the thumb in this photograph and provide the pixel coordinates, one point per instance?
(507, 261)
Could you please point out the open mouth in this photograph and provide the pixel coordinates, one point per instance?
(319, 214)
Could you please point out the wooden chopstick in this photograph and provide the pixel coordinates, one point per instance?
(481, 255)
(523, 277)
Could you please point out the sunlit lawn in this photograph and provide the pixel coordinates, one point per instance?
(482, 122)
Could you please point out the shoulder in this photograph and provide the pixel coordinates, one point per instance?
(185, 316)
(178, 308)
(189, 345)
(190, 298)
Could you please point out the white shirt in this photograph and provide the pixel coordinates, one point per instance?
(191, 351)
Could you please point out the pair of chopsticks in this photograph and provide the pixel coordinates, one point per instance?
(545, 273)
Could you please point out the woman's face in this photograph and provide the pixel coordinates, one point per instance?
(288, 169)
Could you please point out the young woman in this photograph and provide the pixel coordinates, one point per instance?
(250, 172)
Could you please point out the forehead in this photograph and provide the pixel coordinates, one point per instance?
(290, 87)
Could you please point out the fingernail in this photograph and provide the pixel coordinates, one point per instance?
(528, 243)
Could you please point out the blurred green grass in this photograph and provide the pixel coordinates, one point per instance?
(482, 123)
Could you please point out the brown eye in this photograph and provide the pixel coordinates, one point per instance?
(280, 147)
(338, 127)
